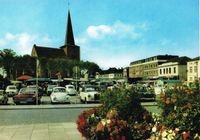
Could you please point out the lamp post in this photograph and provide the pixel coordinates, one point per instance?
(37, 65)
(76, 71)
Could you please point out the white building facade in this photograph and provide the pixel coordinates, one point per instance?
(172, 70)
(110, 76)
(193, 69)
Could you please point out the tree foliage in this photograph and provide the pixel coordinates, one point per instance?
(16, 65)
(6, 57)
(65, 66)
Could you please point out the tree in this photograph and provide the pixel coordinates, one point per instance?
(6, 57)
(23, 65)
(64, 66)
(90, 66)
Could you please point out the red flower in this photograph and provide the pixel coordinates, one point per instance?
(123, 138)
(185, 135)
(100, 127)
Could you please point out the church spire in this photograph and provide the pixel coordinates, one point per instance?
(69, 38)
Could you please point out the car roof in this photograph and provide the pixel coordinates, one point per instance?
(59, 87)
(11, 86)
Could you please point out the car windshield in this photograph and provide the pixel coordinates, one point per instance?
(27, 91)
(70, 87)
(12, 87)
(89, 89)
(59, 90)
(51, 86)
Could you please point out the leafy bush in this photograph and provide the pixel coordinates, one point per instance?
(120, 117)
(181, 114)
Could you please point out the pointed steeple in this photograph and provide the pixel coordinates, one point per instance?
(69, 38)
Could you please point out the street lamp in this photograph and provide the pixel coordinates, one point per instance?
(37, 65)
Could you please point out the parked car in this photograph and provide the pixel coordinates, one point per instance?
(89, 94)
(3, 97)
(59, 95)
(147, 96)
(11, 90)
(101, 86)
(27, 96)
(71, 90)
(39, 88)
(50, 89)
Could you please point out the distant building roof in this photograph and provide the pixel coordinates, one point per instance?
(49, 52)
(157, 57)
(111, 70)
(196, 58)
(181, 60)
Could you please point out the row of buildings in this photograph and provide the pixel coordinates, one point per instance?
(170, 67)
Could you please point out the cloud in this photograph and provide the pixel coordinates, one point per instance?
(100, 31)
(118, 29)
(110, 45)
(22, 43)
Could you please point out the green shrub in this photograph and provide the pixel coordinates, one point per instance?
(181, 110)
(120, 117)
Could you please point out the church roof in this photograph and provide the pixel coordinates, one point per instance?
(69, 38)
(49, 52)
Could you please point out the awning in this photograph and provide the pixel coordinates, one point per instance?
(23, 77)
(39, 80)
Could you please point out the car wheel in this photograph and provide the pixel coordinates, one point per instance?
(39, 102)
(85, 101)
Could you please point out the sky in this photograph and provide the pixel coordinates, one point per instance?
(111, 33)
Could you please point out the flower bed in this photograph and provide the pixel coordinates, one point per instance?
(180, 118)
(121, 117)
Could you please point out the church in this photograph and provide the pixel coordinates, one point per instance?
(69, 50)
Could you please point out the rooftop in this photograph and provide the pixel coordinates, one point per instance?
(49, 52)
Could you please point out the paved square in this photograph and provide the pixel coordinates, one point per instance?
(43, 131)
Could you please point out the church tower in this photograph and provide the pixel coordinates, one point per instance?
(71, 50)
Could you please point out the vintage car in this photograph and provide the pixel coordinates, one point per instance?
(71, 90)
(59, 95)
(147, 95)
(89, 94)
(11, 90)
(50, 89)
(3, 97)
(27, 96)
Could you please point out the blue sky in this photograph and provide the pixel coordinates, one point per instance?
(111, 33)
